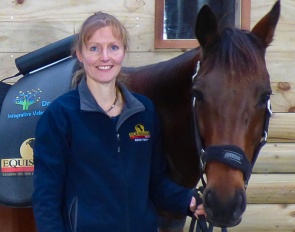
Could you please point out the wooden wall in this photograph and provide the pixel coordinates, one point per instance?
(26, 25)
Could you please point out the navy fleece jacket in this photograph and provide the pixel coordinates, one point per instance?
(94, 173)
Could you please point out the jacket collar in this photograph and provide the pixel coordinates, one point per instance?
(131, 104)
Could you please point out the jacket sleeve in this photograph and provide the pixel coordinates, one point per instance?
(164, 192)
(50, 152)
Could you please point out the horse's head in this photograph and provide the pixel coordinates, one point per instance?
(231, 90)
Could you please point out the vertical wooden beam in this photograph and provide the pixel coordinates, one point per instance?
(246, 14)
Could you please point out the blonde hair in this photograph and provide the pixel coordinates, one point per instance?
(91, 24)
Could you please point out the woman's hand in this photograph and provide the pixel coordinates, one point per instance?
(197, 210)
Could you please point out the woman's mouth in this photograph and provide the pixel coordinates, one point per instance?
(105, 67)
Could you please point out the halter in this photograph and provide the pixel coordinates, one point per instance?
(230, 155)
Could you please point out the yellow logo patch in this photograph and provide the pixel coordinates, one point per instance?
(140, 134)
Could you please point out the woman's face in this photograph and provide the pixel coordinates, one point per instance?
(102, 56)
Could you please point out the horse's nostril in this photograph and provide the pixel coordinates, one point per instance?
(240, 205)
(209, 198)
(209, 203)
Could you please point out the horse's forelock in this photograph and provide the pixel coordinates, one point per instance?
(237, 52)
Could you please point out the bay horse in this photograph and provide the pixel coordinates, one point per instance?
(231, 92)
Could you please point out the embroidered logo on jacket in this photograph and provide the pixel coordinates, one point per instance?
(140, 134)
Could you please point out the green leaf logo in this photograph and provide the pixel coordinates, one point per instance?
(25, 99)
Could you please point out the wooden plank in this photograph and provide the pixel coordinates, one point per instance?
(68, 10)
(283, 98)
(34, 35)
(29, 18)
(31, 36)
(280, 66)
(271, 189)
(276, 158)
(263, 217)
(282, 127)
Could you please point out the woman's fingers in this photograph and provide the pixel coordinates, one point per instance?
(196, 210)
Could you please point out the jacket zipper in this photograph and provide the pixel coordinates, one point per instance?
(118, 141)
(125, 184)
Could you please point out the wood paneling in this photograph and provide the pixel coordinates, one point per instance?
(282, 127)
(276, 158)
(271, 189)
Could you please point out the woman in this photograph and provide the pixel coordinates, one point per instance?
(98, 160)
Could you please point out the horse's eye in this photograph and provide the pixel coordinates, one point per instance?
(264, 98)
(198, 95)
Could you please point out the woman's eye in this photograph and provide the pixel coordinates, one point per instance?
(114, 47)
(93, 49)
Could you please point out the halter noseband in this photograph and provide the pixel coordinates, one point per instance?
(230, 155)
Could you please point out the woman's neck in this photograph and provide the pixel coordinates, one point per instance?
(107, 96)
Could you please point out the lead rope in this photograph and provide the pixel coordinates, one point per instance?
(201, 223)
(198, 192)
(201, 220)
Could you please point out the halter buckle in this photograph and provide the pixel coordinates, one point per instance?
(265, 136)
(268, 106)
(202, 163)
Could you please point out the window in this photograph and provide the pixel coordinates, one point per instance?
(175, 19)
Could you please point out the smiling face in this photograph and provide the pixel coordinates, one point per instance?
(102, 56)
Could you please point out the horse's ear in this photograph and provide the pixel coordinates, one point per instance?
(206, 26)
(265, 28)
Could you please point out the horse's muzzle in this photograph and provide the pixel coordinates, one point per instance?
(224, 213)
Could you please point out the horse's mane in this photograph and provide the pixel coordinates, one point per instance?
(237, 51)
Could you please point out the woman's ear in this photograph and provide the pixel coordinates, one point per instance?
(78, 54)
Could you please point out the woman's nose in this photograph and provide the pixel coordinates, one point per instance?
(104, 55)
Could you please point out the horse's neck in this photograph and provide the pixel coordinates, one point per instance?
(163, 77)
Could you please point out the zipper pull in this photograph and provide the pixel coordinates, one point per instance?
(118, 140)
